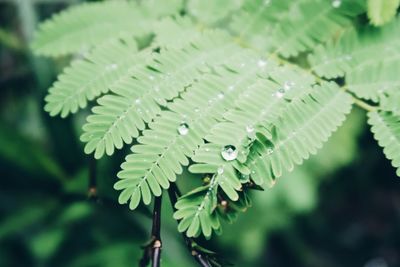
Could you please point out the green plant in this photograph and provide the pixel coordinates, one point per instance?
(235, 92)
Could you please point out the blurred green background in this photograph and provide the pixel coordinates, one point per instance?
(341, 208)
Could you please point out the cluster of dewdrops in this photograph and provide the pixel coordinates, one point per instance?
(230, 152)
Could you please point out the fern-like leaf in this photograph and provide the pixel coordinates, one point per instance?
(386, 129)
(293, 26)
(167, 145)
(99, 71)
(375, 81)
(137, 101)
(299, 132)
(81, 27)
(382, 11)
(356, 50)
(201, 210)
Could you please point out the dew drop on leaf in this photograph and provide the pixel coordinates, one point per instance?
(288, 85)
(244, 177)
(280, 93)
(183, 128)
(220, 170)
(250, 132)
(261, 63)
(229, 152)
(221, 95)
(249, 129)
(112, 67)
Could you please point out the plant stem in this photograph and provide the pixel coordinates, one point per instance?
(363, 105)
(174, 193)
(155, 232)
(152, 251)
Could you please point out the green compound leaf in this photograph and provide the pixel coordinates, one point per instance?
(386, 129)
(381, 12)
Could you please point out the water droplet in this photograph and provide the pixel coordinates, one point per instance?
(280, 93)
(112, 67)
(249, 129)
(196, 110)
(183, 128)
(250, 132)
(229, 152)
(221, 95)
(245, 177)
(151, 77)
(137, 101)
(262, 63)
(336, 3)
(220, 170)
(231, 87)
(288, 85)
(270, 151)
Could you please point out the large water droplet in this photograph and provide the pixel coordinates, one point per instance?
(336, 3)
(229, 152)
(183, 128)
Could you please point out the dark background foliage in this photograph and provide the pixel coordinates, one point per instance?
(342, 208)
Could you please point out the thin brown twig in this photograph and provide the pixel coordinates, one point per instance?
(152, 251)
(155, 232)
